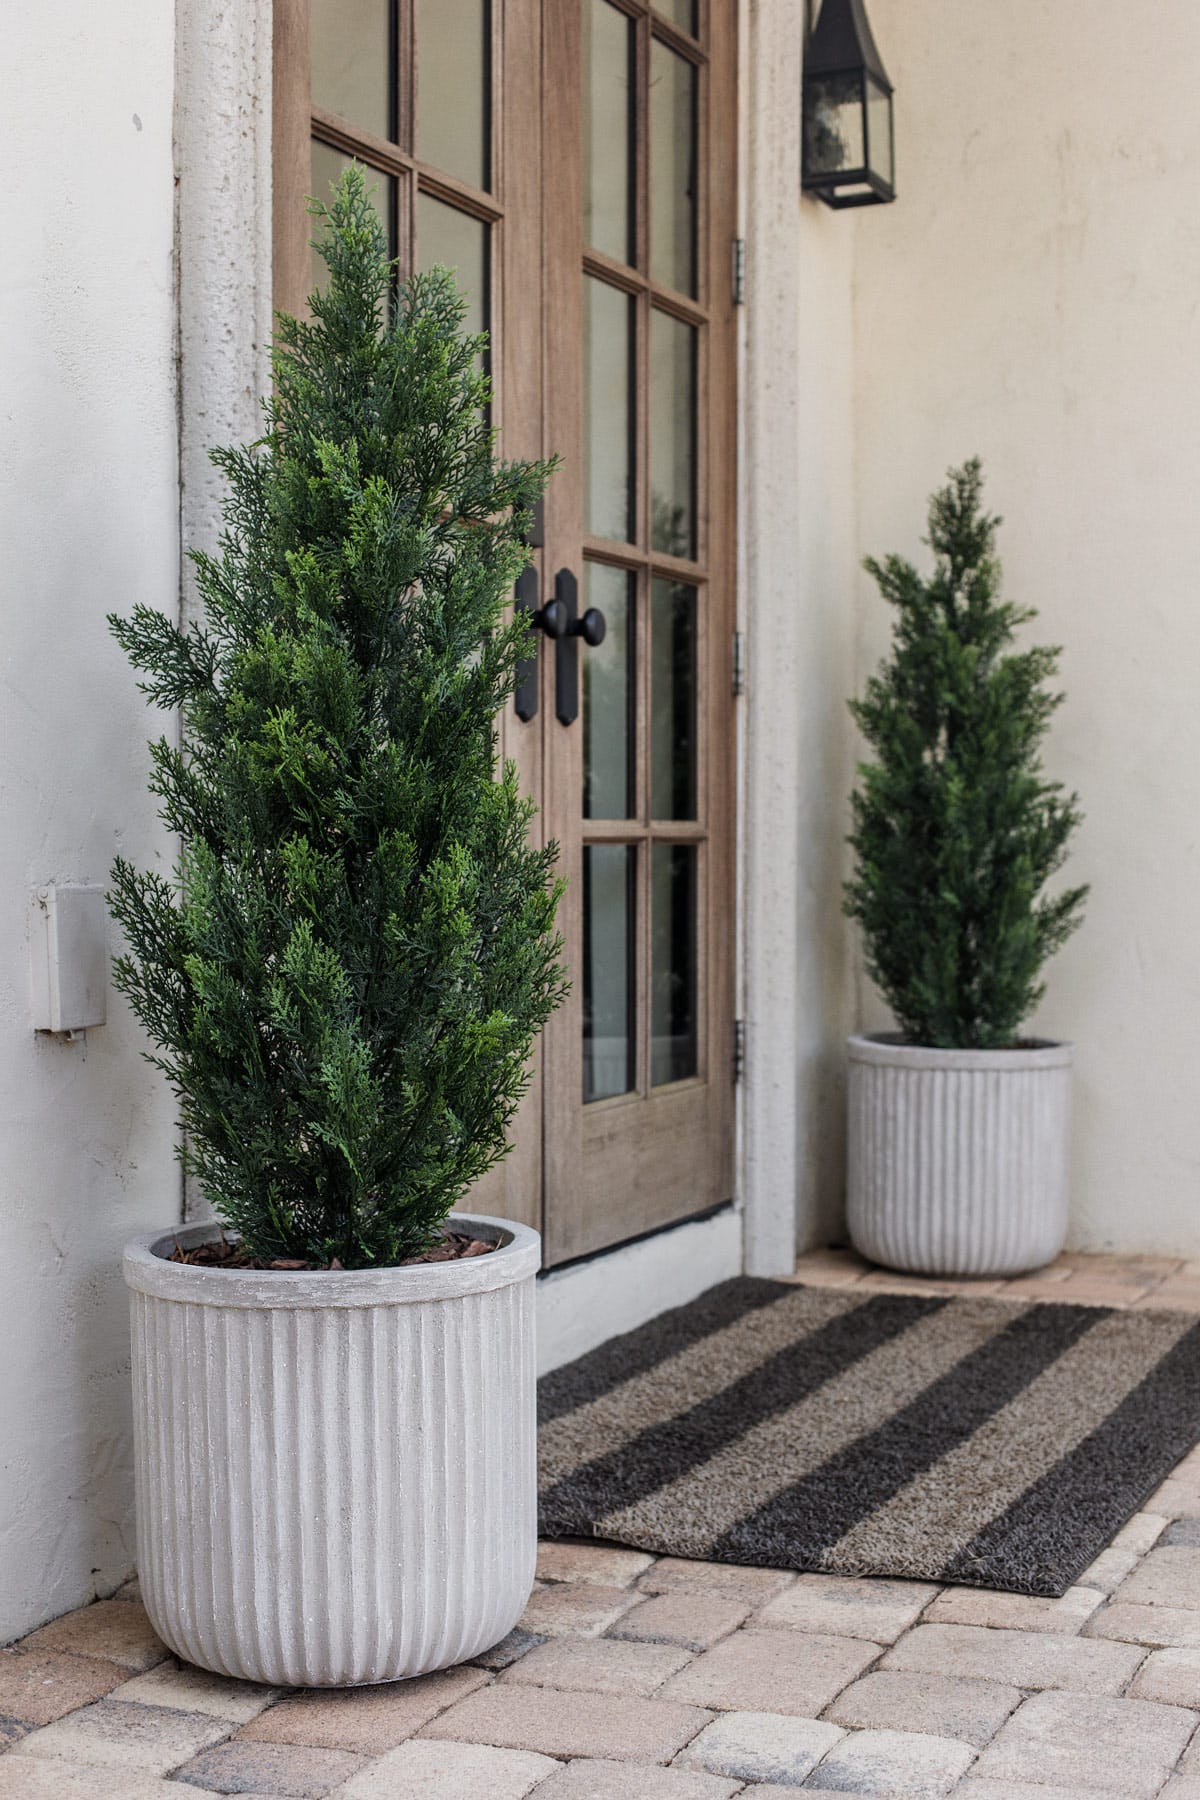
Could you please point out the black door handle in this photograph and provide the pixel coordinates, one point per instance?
(558, 619)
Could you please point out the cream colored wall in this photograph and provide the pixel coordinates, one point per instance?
(89, 505)
(1034, 296)
(797, 599)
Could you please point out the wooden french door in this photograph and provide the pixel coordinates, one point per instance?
(573, 161)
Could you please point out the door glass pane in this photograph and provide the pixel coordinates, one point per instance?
(672, 963)
(328, 167)
(672, 701)
(453, 110)
(609, 790)
(680, 12)
(672, 169)
(609, 910)
(608, 411)
(672, 435)
(352, 64)
(459, 243)
(608, 160)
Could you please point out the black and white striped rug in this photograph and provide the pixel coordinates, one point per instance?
(959, 1440)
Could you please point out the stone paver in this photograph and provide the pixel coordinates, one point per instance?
(117, 1734)
(576, 1608)
(772, 1671)
(982, 1789)
(508, 1651)
(423, 1770)
(1167, 1576)
(939, 1705)
(1027, 1659)
(178, 1685)
(594, 1780)
(1015, 1612)
(1181, 1787)
(599, 1665)
(37, 1687)
(1182, 1531)
(615, 1727)
(848, 1607)
(1171, 1676)
(1160, 1627)
(1126, 1747)
(11, 1732)
(561, 1560)
(1109, 1570)
(292, 1771)
(688, 1617)
(756, 1585)
(367, 1720)
(892, 1763)
(113, 1630)
(27, 1778)
(761, 1747)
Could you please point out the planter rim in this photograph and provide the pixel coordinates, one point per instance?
(146, 1268)
(889, 1049)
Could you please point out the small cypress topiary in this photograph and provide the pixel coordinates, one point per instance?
(955, 827)
(346, 974)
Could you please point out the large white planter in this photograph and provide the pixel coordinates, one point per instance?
(336, 1477)
(958, 1159)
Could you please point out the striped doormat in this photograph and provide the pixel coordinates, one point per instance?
(955, 1440)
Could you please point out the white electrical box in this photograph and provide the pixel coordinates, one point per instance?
(69, 948)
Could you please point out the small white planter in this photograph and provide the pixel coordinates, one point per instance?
(336, 1477)
(957, 1160)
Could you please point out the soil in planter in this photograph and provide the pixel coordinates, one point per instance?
(227, 1253)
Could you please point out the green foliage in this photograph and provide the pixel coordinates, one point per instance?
(956, 828)
(347, 972)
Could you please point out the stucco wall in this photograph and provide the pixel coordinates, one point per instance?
(88, 521)
(797, 597)
(1033, 296)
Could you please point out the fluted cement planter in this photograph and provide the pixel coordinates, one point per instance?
(958, 1159)
(335, 1472)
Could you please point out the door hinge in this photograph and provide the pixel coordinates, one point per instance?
(739, 664)
(737, 270)
(739, 1049)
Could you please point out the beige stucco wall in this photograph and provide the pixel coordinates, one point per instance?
(89, 507)
(1034, 295)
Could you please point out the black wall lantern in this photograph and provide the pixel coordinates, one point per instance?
(849, 154)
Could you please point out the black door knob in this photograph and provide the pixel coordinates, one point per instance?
(552, 619)
(592, 628)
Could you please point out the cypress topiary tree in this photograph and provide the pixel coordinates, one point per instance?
(955, 827)
(347, 972)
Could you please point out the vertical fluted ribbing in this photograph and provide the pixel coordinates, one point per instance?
(335, 1496)
(958, 1171)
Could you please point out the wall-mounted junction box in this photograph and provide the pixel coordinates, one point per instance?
(68, 940)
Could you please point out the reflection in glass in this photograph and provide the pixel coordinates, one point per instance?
(833, 126)
(459, 243)
(672, 169)
(351, 62)
(672, 963)
(453, 111)
(608, 691)
(672, 700)
(328, 167)
(680, 12)
(608, 88)
(672, 435)
(609, 889)
(608, 411)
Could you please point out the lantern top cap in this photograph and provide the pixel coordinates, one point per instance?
(843, 42)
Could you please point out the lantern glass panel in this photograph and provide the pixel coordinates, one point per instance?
(833, 125)
(879, 131)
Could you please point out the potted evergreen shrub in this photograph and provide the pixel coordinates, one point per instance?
(334, 1382)
(958, 1127)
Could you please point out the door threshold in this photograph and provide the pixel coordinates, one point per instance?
(642, 1237)
(582, 1304)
